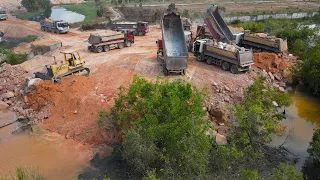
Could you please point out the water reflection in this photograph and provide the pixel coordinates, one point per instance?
(68, 16)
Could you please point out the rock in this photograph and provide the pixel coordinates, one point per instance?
(1, 88)
(271, 76)
(286, 73)
(16, 81)
(282, 89)
(275, 103)
(8, 95)
(3, 105)
(9, 102)
(227, 88)
(75, 112)
(25, 99)
(16, 91)
(226, 99)
(277, 77)
(214, 84)
(221, 139)
(275, 85)
(282, 84)
(264, 73)
(34, 82)
(219, 111)
(221, 124)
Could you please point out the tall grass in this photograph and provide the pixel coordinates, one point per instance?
(23, 174)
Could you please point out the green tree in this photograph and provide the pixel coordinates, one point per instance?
(308, 72)
(312, 163)
(283, 172)
(186, 13)
(257, 118)
(37, 5)
(163, 127)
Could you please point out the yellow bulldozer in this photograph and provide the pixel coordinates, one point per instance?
(72, 64)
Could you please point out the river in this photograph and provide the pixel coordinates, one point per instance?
(53, 155)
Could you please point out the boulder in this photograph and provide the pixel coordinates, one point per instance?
(271, 76)
(277, 77)
(221, 139)
(286, 73)
(3, 105)
(219, 111)
(281, 89)
(34, 82)
(8, 95)
(282, 84)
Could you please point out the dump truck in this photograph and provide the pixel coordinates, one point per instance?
(58, 27)
(172, 48)
(3, 15)
(228, 57)
(216, 28)
(263, 42)
(139, 28)
(106, 41)
(186, 22)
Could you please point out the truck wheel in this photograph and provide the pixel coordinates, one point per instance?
(140, 33)
(209, 60)
(106, 48)
(199, 58)
(234, 69)
(225, 66)
(128, 44)
(99, 49)
(183, 72)
(120, 45)
(165, 70)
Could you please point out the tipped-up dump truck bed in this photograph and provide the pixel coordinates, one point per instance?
(172, 53)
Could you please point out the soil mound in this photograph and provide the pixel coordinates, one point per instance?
(73, 108)
(270, 62)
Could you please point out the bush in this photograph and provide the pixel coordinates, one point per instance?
(313, 161)
(23, 174)
(13, 59)
(163, 128)
(186, 13)
(38, 5)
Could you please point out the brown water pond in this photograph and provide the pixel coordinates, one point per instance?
(51, 154)
(303, 116)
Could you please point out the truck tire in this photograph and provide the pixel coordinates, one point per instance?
(209, 60)
(184, 71)
(120, 45)
(140, 33)
(165, 70)
(225, 66)
(234, 69)
(99, 49)
(106, 48)
(199, 58)
(128, 44)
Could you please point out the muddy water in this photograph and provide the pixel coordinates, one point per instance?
(302, 117)
(51, 154)
(68, 16)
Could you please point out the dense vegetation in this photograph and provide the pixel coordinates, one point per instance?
(163, 129)
(312, 164)
(302, 41)
(38, 5)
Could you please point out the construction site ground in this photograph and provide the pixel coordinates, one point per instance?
(71, 107)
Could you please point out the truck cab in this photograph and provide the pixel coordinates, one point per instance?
(143, 28)
(3, 15)
(62, 26)
(129, 35)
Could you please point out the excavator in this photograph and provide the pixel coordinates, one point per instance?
(72, 64)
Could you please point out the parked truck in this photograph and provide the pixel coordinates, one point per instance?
(262, 41)
(172, 48)
(3, 15)
(106, 41)
(139, 28)
(215, 27)
(228, 57)
(58, 27)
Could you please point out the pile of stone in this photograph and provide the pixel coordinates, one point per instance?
(12, 79)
